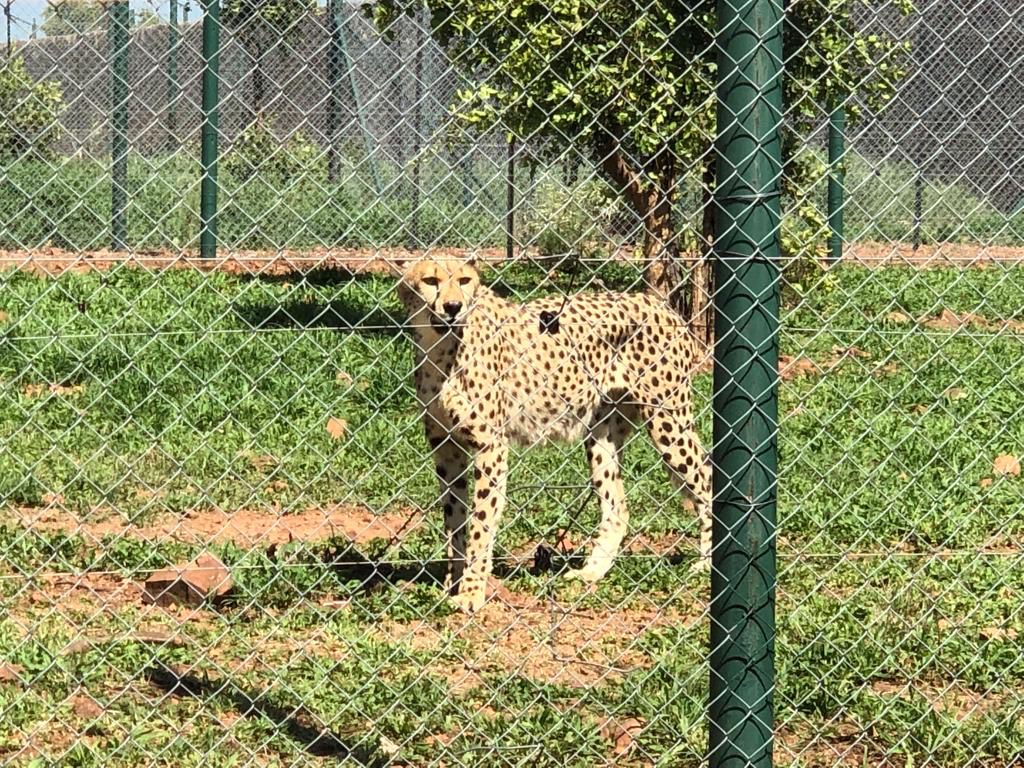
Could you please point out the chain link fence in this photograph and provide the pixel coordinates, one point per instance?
(223, 536)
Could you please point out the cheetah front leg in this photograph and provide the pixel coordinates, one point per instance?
(452, 462)
(491, 475)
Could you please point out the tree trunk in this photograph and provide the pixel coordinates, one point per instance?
(259, 81)
(701, 288)
(661, 251)
(653, 203)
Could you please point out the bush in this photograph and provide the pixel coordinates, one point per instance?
(572, 220)
(29, 111)
(257, 151)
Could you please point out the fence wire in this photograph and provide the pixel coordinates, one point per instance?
(224, 537)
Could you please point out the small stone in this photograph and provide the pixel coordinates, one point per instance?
(1006, 465)
(622, 734)
(86, 708)
(205, 578)
(11, 673)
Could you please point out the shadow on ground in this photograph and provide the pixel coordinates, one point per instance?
(293, 721)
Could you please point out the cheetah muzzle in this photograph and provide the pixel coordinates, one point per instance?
(488, 374)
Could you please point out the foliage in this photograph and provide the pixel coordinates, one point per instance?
(804, 231)
(279, 15)
(586, 72)
(257, 151)
(636, 91)
(72, 17)
(145, 17)
(68, 204)
(571, 219)
(29, 111)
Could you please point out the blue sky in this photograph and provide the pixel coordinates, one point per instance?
(25, 11)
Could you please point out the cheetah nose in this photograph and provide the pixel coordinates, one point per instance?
(451, 308)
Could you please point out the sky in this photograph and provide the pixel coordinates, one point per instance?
(23, 12)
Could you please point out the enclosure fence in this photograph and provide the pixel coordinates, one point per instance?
(761, 258)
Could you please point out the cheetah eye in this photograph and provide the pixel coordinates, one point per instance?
(431, 281)
(465, 280)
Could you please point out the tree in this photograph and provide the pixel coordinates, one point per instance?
(258, 23)
(144, 17)
(30, 112)
(633, 87)
(72, 17)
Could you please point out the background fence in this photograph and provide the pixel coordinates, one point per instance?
(259, 406)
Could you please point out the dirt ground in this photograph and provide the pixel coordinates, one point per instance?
(518, 633)
(244, 527)
(54, 261)
(938, 255)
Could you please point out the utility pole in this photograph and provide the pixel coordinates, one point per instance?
(7, 16)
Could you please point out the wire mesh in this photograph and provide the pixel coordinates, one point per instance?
(260, 408)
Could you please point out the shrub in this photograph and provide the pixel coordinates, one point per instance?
(257, 151)
(29, 111)
(572, 220)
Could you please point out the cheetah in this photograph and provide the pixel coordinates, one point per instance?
(489, 372)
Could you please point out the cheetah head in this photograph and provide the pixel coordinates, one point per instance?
(439, 292)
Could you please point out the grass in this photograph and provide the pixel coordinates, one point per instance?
(290, 203)
(131, 394)
(65, 202)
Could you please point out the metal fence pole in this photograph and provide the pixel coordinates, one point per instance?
(510, 201)
(338, 56)
(918, 205)
(119, 22)
(333, 83)
(7, 17)
(173, 86)
(417, 128)
(747, 251)
(211, 66)
(836, 178)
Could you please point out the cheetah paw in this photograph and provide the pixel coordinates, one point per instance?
(589, 573)
(469, 602)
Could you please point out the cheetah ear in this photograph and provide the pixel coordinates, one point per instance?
(396, 267)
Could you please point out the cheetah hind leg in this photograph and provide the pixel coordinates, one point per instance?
(604, 446)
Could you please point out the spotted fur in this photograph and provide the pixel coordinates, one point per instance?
(490, 373)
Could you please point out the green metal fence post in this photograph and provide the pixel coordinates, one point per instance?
(338, 56)
(211, 67)
(836, 178)
(333, 83)
(417, 134)
(918, 206)
(747, 252)
(173, 87)
(7, 18)
(510, 200)
(119, 22)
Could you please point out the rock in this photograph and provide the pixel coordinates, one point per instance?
(1006, 465)
(622, 734)
(205, 578)
(11, 673)
(86, 708)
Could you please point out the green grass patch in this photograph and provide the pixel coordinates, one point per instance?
(160, 393)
